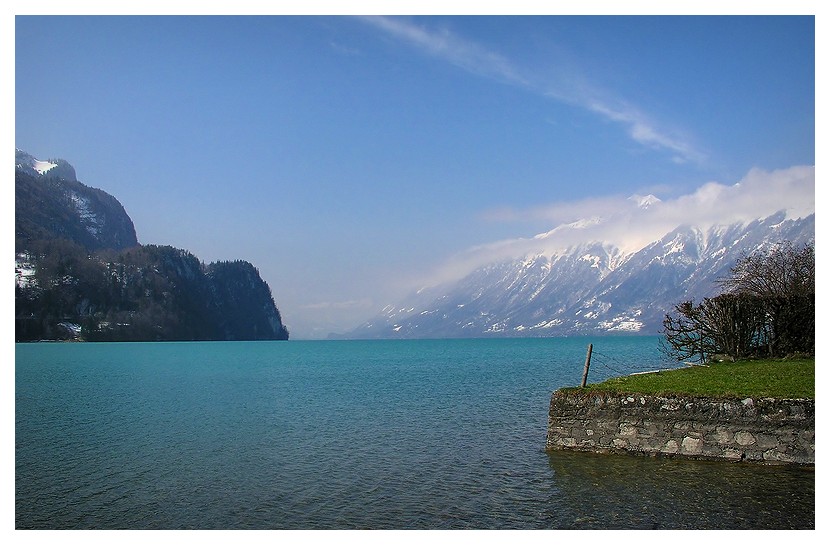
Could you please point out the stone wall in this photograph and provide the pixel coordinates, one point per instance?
(761, 430)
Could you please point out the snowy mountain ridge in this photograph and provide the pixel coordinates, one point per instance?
(587, 288)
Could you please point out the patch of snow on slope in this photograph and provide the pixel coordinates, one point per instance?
(42, 167)
(676, 246)
(497, 327)
(547, 324)
(592, 259)
(24, 271)
(82, 206)
(622, 323)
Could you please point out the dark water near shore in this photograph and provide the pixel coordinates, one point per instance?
(352, 434)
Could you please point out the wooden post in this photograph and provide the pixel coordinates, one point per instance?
(587, 365)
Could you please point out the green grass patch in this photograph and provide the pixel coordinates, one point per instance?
(785, 379)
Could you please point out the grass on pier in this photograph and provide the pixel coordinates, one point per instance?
(786, 379)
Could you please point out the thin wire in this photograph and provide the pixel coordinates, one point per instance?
(604, 364)
(604, 359)
(625, 363)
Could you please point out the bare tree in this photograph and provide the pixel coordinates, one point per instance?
(767, 305)
(784, 271)
(783, 280)
(729, 324)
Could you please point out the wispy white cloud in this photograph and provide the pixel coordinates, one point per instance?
(565, 84)
(644, 131)
(449, 47)
(625, 223)
(345, 50)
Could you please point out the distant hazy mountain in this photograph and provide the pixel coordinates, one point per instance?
(588, 288)
(81, 274)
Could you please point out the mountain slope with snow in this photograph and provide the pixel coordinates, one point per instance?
(51, 168)
(586, 289)
(50, 202)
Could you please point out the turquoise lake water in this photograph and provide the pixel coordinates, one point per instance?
(444, 434)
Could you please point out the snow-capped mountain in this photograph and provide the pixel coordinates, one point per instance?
(586, 288)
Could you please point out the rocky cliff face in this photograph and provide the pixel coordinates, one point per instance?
(81, 274)
(242, 303)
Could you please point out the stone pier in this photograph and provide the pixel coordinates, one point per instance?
(759, 430)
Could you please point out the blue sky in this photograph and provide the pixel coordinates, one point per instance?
(349, 158)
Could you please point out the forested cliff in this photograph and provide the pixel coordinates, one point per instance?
(81, 274)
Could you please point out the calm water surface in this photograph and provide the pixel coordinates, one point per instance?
(352, 434)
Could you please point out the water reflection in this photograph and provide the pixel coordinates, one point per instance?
(619, 491)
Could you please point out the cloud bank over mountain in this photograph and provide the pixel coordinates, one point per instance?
(630, 223)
